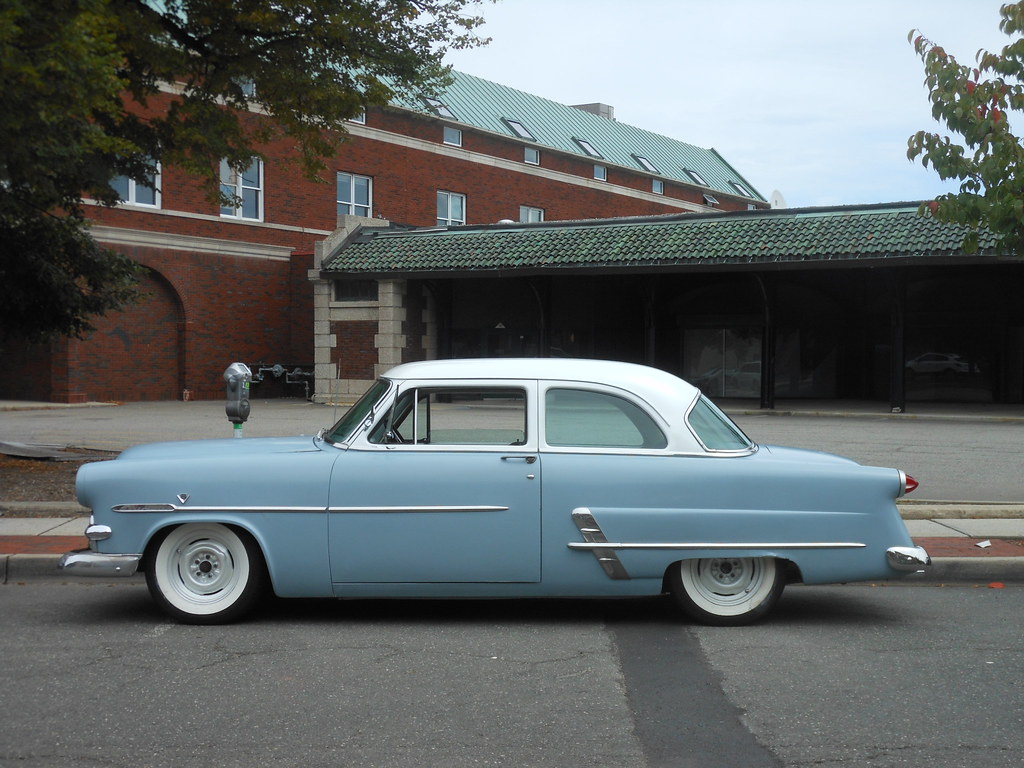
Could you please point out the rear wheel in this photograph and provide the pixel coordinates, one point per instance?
(727, 591)
(205, 573)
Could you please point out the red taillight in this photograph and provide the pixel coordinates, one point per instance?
(909, 484)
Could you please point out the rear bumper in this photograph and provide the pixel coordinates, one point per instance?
(85, 562)
(908, 558)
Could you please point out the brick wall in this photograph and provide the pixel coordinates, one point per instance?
(207, 308)
(354, 355)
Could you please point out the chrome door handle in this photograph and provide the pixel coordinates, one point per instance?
(527, 459)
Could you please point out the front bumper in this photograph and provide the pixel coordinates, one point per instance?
(85, 562)
(908, 558)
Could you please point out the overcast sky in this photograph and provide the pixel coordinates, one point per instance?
(814, 98)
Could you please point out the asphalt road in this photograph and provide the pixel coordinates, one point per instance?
(839, 676)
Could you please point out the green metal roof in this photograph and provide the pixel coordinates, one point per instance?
(875, 232)
(486, 105)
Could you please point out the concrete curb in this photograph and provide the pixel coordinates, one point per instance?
(15, 569)
(43, 508)
(974, 570)
(960, 510)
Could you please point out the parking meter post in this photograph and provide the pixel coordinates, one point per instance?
(237, 377)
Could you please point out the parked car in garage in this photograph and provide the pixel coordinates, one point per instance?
(496, 478)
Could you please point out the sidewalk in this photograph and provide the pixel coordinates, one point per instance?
(30, 546)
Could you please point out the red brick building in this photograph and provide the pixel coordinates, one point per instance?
(226, 284)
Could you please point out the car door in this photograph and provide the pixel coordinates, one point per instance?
(445, 487)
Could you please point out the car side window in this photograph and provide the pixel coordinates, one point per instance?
(582, 418)
(455, 416)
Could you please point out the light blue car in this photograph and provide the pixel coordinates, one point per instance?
(496, 478)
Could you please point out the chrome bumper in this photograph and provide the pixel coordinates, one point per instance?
(908, 558)
(85, 562)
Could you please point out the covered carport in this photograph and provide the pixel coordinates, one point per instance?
(858, 302)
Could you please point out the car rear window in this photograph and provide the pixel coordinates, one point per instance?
(714, 429)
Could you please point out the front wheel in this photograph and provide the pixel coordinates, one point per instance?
(727, 591)
(205, 573)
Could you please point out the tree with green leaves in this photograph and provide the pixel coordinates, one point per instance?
(76, 81)
(987, 159)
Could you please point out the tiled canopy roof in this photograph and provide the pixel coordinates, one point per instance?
(876, 233)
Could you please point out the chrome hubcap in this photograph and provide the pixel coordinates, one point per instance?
(205, 566)
(727, 574)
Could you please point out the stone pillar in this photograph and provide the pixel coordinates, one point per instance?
(330, 387)
(390, 341)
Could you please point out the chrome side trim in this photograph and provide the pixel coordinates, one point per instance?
(722, 545)
(83, 562)
(160, 507)
(908, 558)
(596, 541)
(143, 508)
(480, 508)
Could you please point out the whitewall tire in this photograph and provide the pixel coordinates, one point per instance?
(727, 591)
(205, 573)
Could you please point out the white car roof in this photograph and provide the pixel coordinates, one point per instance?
(668, 394)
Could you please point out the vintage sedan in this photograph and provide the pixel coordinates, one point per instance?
(496, 478)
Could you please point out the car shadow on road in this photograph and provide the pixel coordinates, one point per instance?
(469, 611)
(129, 602)
(837, 606)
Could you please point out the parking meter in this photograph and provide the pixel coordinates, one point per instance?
(238, 376)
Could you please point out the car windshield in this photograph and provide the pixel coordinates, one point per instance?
(714, 429)
(357, 414)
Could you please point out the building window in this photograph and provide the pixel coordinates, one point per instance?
(355, 290)
(696, 177)
(360, 118)
(247, 86)
(519, 129)
(710, 200)
(600, 173)
(658, 186)
(740, 188)
(132, 192)
(244, 191)
(452, 136)
(587, 147)
(646, 164)
(531, 155)
(528, 213)
(451, 209)
(439, 107)
(355, 195)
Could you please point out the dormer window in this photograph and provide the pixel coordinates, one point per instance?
(587, 147)
(710, 200)
(646, 164)
(439, 107)
(452, 136)
(696, 177)
(519, 129)
(740, 188)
